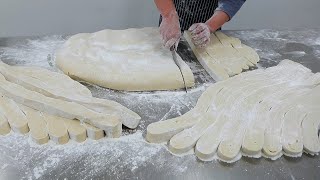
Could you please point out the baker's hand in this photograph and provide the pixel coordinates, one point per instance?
(200, 33)
(170, 30)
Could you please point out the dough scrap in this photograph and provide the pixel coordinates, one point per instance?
(224, 56)
(131, 60)
(273, 111)
(60, 86)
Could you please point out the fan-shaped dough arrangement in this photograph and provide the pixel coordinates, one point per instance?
(224, 56)
(51, 105)
(131, 59)
(261, 112)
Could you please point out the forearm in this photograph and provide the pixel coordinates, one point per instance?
(165, 7)
(230, 7)
(225, 11)
(217, 20)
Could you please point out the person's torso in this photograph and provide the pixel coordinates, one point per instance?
(194, 11)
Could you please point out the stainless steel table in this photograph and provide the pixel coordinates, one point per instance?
(130, 157)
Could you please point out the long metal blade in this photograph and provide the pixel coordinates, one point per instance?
(174, 57)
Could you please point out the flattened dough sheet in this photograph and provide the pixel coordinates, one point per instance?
(131, 60)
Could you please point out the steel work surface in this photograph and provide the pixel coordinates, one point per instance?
(130, 157)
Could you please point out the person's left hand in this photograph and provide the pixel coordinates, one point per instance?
(200, 33)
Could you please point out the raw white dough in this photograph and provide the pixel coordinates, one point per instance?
(131, 59)
(37, 125)
(269, 111)
(69, 110)
(62, 87)
(224, 56)
(11, 112)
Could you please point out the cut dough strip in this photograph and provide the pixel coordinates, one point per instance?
(4, 125)
(76, 131)
(16, 118)
(163, 131)
(269, 111)
(57, 128)
(215, 70)
(37, 125)
(93, 132)
(186, 140)
(69, 110)
(62, 87)
(224, 56)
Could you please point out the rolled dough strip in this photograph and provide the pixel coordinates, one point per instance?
(291, 133)
(62, 87)
(69, 110)
(273, 146)
(162, 131)
(37, 125)
(93, 132)
(208, 143)
(4, 125)
(272, 142)
(168, 128)
(186, 140)
(310, 128)
(209, 153)
(16, 118)
(76, 131)
(311, 123)
(48, 81)
(57, 128)
(129, 118)
(230, 145)
(254, 138)
(214, 134)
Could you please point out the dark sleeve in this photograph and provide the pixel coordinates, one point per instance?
(231, 7)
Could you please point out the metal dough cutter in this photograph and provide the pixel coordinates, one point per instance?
(174, 57)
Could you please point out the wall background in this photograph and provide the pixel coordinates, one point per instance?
(40, 17)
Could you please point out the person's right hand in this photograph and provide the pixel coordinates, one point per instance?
(170, 30)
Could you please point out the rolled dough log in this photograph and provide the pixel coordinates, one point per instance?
(62, 87)
(131, 60)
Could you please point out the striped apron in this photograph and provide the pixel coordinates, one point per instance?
(194, 11)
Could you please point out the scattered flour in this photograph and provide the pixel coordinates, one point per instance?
(33, 52)
(118, 157)
(317, 41)
(4, 166)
